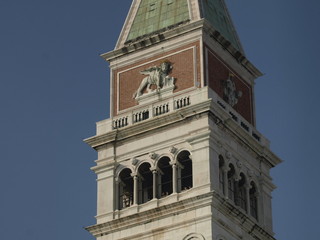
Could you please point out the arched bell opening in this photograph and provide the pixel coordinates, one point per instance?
(145, 183)
(165, 177)
(185, 172)
(241, 193)
(253, 200)
(125, 189)
(231, 182)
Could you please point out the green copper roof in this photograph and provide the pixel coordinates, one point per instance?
(154, 15)
(216, 13)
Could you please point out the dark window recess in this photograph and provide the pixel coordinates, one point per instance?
(165, 183)
(241, 194)
(231, 183)
(126, 189)
(186, 171)
(145, 183)
(253, 201)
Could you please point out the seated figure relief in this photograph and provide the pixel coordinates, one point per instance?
(231, 95)
(158, 76)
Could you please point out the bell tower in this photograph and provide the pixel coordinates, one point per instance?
(180, 157)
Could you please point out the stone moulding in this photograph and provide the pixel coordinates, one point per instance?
(240, 217)
(151, 215)
(203, 200)
(149, 124)
(220, 117)
(203, 25)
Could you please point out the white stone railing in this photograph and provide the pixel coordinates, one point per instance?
(239, 119)
(148, 111)
(120, 122)
(182, 102)
(140, 115)
(161, 109)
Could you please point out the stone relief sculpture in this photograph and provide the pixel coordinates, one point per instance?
(231, 94)
(157, 75)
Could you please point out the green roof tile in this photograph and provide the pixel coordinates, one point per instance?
(154, 15)
(216, 13)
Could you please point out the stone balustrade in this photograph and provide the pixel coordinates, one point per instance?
(175, 103)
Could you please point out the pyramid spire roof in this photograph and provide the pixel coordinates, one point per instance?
(147, 17)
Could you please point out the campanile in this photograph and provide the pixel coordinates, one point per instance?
(180, 157)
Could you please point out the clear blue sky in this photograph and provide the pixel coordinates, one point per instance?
(54, 87)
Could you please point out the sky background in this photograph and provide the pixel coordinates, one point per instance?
(54, 87)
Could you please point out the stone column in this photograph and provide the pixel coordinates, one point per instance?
(135, 189)
(247, 186)
(155, 183)
(174, 178)
(259, 205)
(225, 182)
(117, 195)
(236, 191)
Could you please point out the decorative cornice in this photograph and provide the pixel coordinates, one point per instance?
(151, 215)
(223, 120)
(104, 138)
(240, 57)
(152, 39)
(178, 31)
(249, 224)
(213, 199)
(148, 125)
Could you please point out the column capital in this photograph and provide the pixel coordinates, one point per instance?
(134, 175)
(226, 169)
(153, 169)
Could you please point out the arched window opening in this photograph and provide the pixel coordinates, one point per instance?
(231, 183)
(241, 193)
(184, 171)
(221, 174)
(253, 200)
(145, 183)
(165, 177)
(125, 189)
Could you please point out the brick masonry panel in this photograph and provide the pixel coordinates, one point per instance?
(186, 68)
(218, 72)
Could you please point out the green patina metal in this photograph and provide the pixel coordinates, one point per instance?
(154, 15)
(216, 13)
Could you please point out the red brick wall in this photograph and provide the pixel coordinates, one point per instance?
(218, 72)
(128, 78)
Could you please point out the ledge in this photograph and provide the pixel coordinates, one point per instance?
(202, 100)
(148, 125)
(151, 215)
(211, 199)
(185, 27)
(249, 224)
